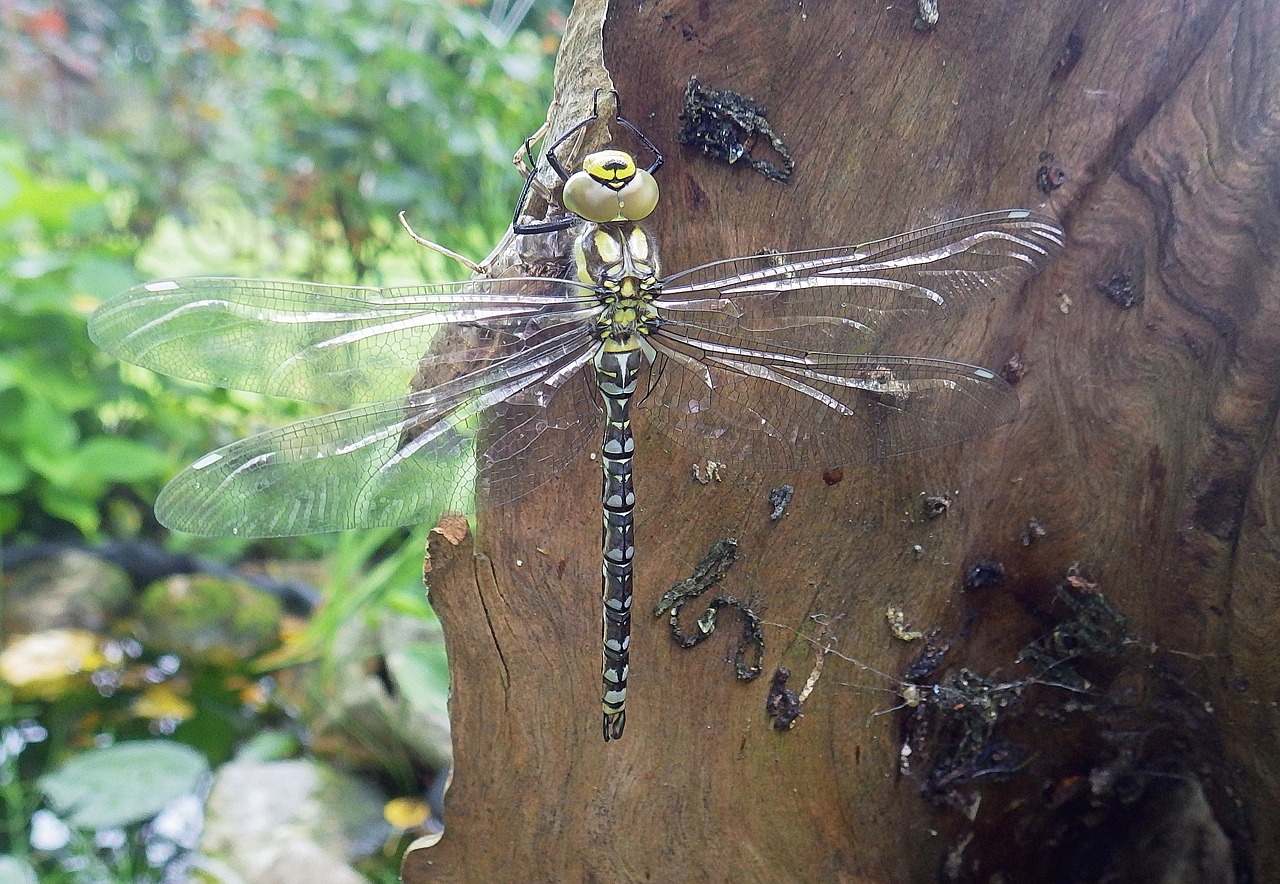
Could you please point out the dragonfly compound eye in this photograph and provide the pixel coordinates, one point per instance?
(610, 188)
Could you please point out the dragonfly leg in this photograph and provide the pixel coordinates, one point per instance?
(523, 158)
(436, 247)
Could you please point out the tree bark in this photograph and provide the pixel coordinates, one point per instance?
(1140, 478)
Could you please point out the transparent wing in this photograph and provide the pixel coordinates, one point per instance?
(771, 361)
(503, 430)
(778, 410)
(323, 343)
(843, 300)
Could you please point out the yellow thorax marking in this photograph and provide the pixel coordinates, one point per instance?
(616, 261)
(638, 245)
(608, 248)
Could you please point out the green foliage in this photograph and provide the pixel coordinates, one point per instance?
(334, 115)
(123, 784)
(50, 460)
(232, 138)
(159, 138)
(63, 458)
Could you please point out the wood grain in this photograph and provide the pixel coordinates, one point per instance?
(1145, 448)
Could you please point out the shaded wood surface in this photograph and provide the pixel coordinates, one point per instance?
(1144, 448)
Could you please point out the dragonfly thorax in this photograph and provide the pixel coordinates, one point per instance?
(620, 263)
(625, 319)
(610, 188)
(610, 257)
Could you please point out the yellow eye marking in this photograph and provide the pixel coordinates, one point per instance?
(612, 168)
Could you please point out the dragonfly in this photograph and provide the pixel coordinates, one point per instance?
(461, 396)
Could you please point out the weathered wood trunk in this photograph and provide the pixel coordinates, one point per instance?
(1142, 475)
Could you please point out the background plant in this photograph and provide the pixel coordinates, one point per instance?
(164, 138)
(161, 138)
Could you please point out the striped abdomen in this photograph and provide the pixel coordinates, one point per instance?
(617, 368)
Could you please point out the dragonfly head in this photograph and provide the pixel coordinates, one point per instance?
(610, 188)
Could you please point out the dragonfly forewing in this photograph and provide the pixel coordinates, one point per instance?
(776, 360)
(845, 300)
(321, 343)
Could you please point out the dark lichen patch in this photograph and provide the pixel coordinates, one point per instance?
(782, 704)
(727, 126)
(1063, 750)
(1049, 177)
(1013, 370)
(1122, 289)
(935, 505)
(983, 575)
(1032, 531)
(957, 722)
(1095, 629)
(779, 498)
(929, 660)
(967, 707)
(706, 574)
(1072, 51)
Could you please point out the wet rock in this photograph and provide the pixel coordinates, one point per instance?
(209, 619)
(70, 590)
(281, 822)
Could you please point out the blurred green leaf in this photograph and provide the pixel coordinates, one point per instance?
(269, 745)
(76, 506)
(421, 673)
(47, 433)
(53, 203)
(13, 474)
(111, 459)
(99, 275)
(10, 516)
(122, 784)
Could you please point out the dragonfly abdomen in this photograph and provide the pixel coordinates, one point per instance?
(618, 367)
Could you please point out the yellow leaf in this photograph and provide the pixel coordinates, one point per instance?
(406, 813)
(46, 664)
(161, 701)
